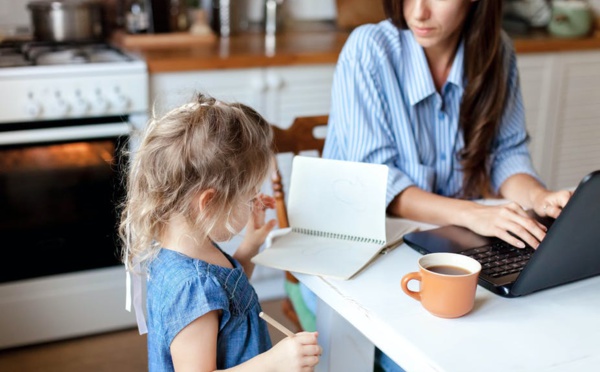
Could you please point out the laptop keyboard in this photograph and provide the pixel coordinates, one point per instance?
(500, 258)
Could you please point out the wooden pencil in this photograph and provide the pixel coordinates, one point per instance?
(276, 324)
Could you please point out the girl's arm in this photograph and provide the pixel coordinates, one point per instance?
(256, 232)
(194, 349)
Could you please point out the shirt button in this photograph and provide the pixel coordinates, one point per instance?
(443, 156)
(441, 116)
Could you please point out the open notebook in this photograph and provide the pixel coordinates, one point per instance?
(336, 211)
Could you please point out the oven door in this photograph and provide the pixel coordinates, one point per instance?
(59, 193)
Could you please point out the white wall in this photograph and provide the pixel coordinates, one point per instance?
(14, 13)
(595, 5)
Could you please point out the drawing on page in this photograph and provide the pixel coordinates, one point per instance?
(349, 192)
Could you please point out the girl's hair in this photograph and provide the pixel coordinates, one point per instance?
(205, 144)
(484, 98)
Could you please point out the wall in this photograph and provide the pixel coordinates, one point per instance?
(13, 13)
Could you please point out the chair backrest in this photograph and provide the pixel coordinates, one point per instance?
(300, 136)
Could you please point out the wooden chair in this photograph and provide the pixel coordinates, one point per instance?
(300, 136)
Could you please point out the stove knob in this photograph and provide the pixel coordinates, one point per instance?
(81, 107)
(61, 108)
(101, 104)
(34, 109)
(121, 103)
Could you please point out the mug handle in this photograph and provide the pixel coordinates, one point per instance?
(404, 284)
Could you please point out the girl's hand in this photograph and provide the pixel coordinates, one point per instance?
(297, 353)
(256, 232)
(256, 229)
(508, 222)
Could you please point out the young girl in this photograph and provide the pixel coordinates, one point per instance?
(193, 182)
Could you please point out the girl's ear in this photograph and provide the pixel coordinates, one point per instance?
(205, 197)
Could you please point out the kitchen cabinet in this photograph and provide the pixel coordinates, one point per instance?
(562, 108)
(279, 93)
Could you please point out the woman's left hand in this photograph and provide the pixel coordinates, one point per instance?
(551, 203)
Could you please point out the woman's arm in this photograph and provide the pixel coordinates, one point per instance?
(531, 194)
(508, 222)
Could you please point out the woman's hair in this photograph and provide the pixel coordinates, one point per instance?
(484, 97)
(205, 144)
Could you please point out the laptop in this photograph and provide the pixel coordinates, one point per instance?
(569, 252)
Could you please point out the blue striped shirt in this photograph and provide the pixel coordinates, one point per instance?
(385, 109)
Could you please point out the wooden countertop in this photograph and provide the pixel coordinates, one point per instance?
(301, 48)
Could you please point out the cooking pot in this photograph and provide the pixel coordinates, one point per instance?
(67, 20)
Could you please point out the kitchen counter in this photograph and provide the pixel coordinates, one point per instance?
(303, 48)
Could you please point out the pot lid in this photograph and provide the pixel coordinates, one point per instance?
(62, 4)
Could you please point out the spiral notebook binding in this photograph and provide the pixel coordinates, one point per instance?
(331, 235)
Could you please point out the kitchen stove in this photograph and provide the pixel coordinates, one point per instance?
(66, 117)
(69, 80)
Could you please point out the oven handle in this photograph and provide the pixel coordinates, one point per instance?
(83, 132)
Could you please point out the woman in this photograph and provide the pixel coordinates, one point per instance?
(434, 94)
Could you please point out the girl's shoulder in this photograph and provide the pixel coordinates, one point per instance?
(177, 283)
(173, 272)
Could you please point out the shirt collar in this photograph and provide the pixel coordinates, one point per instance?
(419, 82)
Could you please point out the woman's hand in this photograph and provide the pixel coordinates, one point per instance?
(299, 352)
(551, 203)
(508, 222)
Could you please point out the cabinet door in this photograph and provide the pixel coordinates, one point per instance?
(536, 78)
(168, 90)
(298, 91)
(576, 150)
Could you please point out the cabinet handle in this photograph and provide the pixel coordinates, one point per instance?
(274, 82)
(259, 85)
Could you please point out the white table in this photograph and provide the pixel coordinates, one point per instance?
(554, 330)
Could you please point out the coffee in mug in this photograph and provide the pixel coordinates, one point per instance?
(448, 284)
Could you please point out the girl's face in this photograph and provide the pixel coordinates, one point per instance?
(239, 219)
(436, 23)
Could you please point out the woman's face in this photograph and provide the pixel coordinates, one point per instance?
(436, 23)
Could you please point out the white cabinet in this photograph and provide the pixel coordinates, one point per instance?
(535, 74)
(279, 93)
(562, 103)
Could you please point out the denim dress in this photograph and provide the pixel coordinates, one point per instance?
(181, 289)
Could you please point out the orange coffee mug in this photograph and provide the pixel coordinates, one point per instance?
(448, 284)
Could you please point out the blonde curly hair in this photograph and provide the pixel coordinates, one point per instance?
(204, 144)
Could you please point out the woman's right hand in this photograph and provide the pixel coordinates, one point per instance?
(509, 222)
(297, 353)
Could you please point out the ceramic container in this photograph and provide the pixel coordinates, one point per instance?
(570, 19)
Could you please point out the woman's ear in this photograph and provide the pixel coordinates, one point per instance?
(205, 197)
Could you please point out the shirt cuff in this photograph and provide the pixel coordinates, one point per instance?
(397, 182)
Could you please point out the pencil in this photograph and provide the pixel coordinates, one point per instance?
(276, 324)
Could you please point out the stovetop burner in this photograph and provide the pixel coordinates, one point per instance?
(31, 53)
